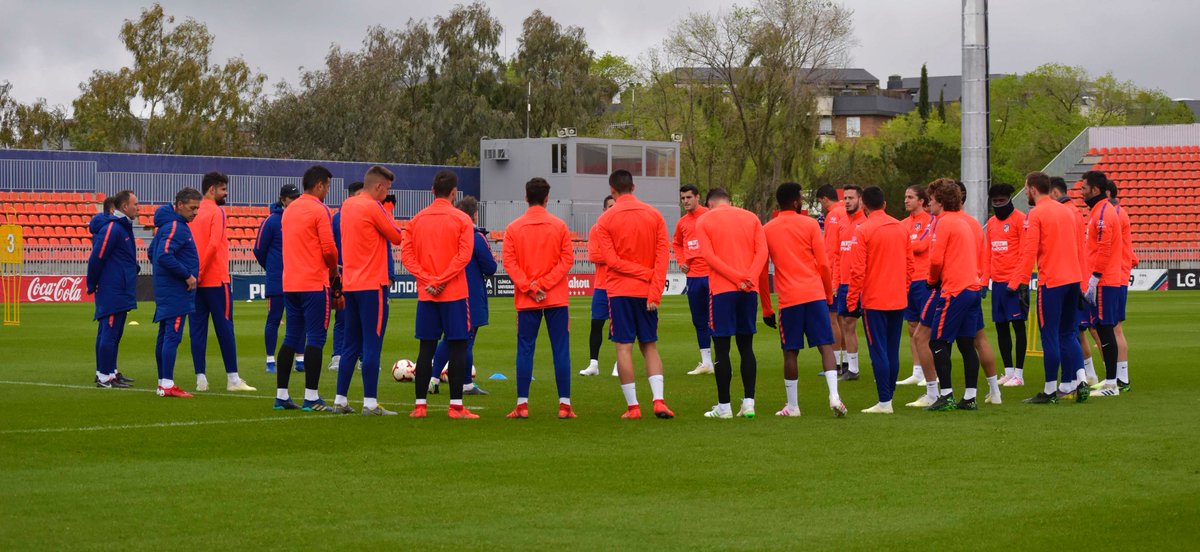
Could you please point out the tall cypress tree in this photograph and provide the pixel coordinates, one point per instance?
(941, 110)
(923, 95)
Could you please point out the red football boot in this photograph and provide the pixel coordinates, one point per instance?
(460, 412)
(632, 413)
(661, 410)
(173, 391)
(419, 411)
(520, 412)
(565, 412)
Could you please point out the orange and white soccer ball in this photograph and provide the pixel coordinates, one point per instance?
(446, 373)
(404, 370)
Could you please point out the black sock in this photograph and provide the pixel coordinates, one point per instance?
(596, 338)
(283, 366)
(312, 376)
(1108, 350)
(966, 347)
(1019, 330)
(424, 367)
(941, 362)
(458, 367)
(1004, 337)
(745, 345)
(722, 368)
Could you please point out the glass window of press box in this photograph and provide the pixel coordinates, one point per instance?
(591, 159)
(628, 158)
(660, 161)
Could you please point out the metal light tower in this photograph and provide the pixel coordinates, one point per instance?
(976, 161)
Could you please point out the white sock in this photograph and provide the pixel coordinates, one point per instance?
(341, 400)
(282, 394)
(420, 402)
(1123, 371)
(656, 387)
(793, 398)
(853, 362)
(831, 383)
(837, 357)
(918, 371)
(1080, 375)
(1020, 372)
(370, 403)
(1110, 382)
(947, 391)
(455, 402)
(630, 391)
(311, 395)
(969, 393)
(435, 379)
(993, 385)
(885, 404)
(706, 357)
(748, 403)
(299, 358)
(564, 400)
(270, 358)
(522, 400)
(1065, 387)
(201, 378)
(1049, 388)
(1089, 369)
(594, 364)
(160, 382)
(232, 377)
(468, 386)
(168, 383)
(105, 377)
(931, 388)
(724, 408)
(1008, 372)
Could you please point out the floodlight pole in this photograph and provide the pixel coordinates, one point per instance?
(976, 162)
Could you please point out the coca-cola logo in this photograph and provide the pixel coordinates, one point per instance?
(55, 289)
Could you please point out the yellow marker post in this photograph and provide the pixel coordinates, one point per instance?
(1034, 342)
(12, 262)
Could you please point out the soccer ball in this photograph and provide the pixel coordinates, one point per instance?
(446, 372)
(403, 370)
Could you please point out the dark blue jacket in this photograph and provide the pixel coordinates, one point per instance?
(174, 257)
(113, 267)
(268, 249)
(482, 264)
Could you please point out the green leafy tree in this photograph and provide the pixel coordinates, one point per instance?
(923, 95)
(941, 107)
(566, 85)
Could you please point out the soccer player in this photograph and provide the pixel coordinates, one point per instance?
(268, 250)
(1058, 192)
(919, 225)
(954, 273)
(1105, 250)
(632, 238)
(881, 268)
(805, 288)
(538, 255)
(983, 349)
(1052, 242)
(483, 263)
(214, 295)
(852, 196)
(339, 317)
(1129, 260)
(176, 273)
(1009, 310)
(835, 211)
(311, 285)
(599, 300)
(687, 255)
(438, 244)
(367, 228)
(112, 278)
(732, 242)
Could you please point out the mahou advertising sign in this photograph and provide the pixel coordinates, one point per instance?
(55, 289)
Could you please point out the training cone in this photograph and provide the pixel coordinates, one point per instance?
(498, 376)
(134, 323)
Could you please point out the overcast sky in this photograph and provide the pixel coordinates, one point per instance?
(47, 47)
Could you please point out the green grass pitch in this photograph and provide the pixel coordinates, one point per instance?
(92, 469)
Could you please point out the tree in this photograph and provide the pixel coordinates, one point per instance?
(31, 126)
(567, 88)
(190, 107)
(8, 115)
(923, 95)
(941, 107)
(769, 61)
